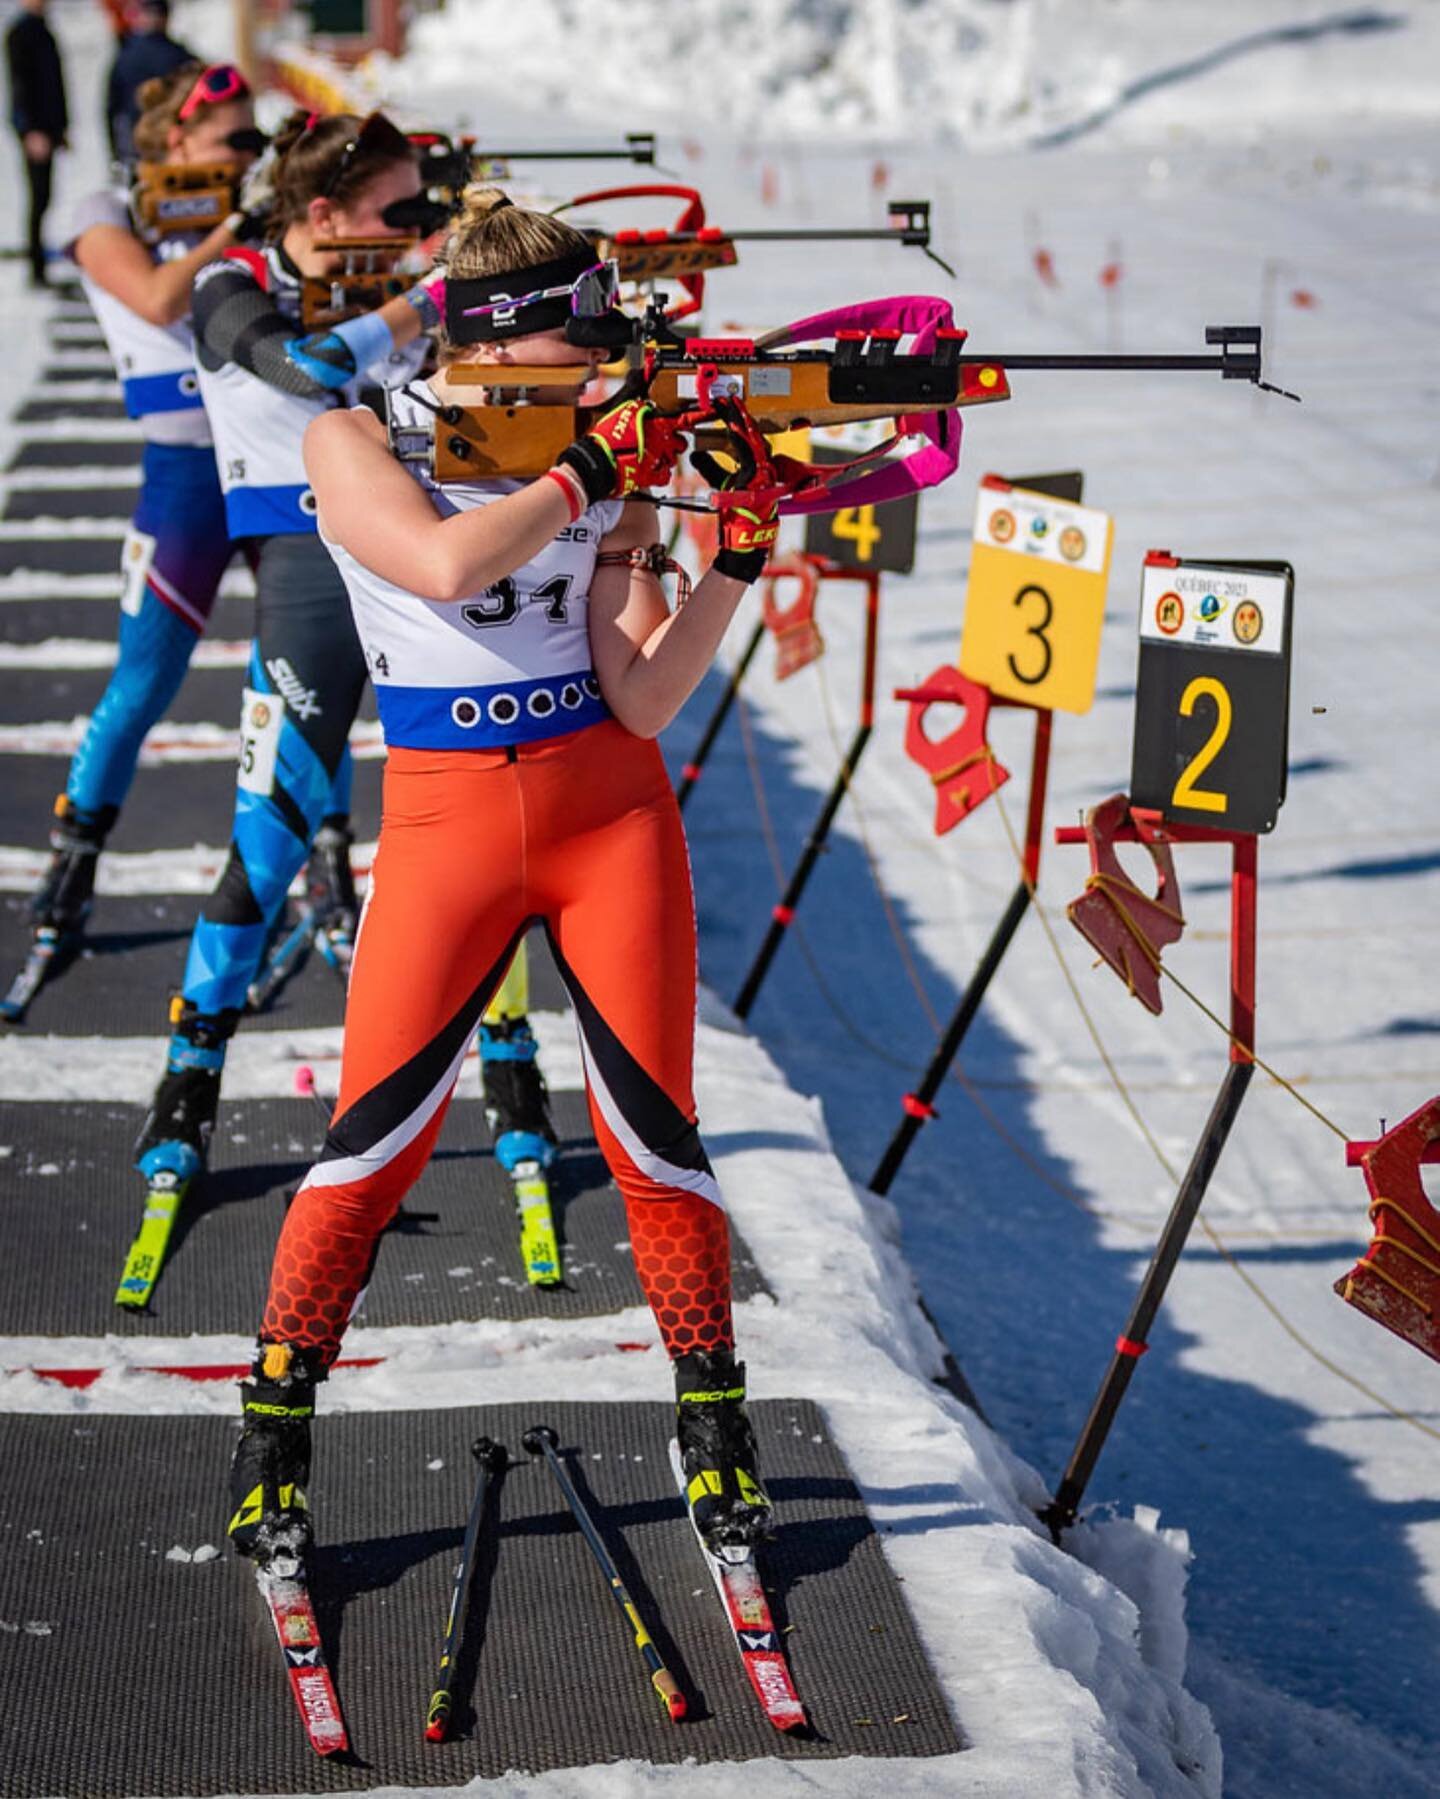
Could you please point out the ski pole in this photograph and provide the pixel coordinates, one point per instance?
(492, 1459)
(541, 1440)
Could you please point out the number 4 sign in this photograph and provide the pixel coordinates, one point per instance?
(1212, 705)
(1036, 600)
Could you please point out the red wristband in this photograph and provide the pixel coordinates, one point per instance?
(574, 499)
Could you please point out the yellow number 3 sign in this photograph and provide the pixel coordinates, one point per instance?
(1036, 600)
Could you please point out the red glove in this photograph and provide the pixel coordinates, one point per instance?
(628, 448)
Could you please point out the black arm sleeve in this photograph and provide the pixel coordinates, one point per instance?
(235, 320)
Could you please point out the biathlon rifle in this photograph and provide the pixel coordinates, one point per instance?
(690, 248)
(448, 165)
(371, 271)
(729, 393)
(172, 197)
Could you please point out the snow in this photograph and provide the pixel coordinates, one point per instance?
(1267, 1532)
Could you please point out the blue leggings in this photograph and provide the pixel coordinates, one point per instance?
(307, 674)
(174, 556)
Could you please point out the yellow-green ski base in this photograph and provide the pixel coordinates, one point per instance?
(142, 1266)
(539, 1246)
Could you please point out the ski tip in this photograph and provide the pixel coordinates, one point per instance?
(539, 1438)
(436, 1729)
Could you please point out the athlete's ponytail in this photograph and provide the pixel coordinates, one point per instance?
(333, 158)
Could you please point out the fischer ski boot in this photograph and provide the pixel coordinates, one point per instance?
(175, 1137)
(330, 890)
(270, 1517)
(62, 900)
(517, 1102)
(730, 1508)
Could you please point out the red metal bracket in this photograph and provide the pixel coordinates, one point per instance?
(798, 642)
(1127, 926)
(962, 767)
(1397, 1280)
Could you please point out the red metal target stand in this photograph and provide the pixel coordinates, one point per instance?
(1397, 1281)
(1153, 831)
(964, 772)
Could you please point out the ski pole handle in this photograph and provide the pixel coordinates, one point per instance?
(540, 1439)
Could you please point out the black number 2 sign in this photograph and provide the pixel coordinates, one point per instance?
(1212, 706)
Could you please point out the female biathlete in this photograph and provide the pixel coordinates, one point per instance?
(524, 661)
(177, 546)
(263, 378)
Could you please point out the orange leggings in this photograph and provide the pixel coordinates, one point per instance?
(583, 834)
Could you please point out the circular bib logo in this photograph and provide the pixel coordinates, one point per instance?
(1002, 525)
(1248, 622)
(1039, 528)
(1072, 543)
(1210, 608)
(1169, 613)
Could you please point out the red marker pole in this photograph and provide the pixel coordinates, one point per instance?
(1133, 1340)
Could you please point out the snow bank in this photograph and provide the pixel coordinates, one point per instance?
(968, 71)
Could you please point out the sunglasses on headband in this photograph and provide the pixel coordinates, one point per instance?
(220, 82)
(592, 294)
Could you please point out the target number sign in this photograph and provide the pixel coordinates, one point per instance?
(1035, 604)
(1212, 707)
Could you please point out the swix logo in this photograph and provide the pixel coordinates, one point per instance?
(762, 1641)
(298, 697)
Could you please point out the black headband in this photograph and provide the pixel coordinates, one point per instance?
(462, 291)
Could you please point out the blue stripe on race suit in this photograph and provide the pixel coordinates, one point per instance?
(224, 958)
(178, 391)
(484, 718)
(269, 511)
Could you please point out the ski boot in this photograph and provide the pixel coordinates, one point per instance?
(730, 1509)
(330, 891)
(61, 903)
(270, 1519)
(62, 900)
(176, 1134)
(517, 1102)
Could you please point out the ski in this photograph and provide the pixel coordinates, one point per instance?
(48, 948)
(287, 1597)
(539, 1246)
(168, 1168)
(742, 1593)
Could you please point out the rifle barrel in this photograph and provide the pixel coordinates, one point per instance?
(902, 234)
(1237, 364)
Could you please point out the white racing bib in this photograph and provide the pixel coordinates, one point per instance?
(261, 716)
(137, 557)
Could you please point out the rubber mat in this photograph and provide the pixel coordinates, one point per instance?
(72, 502)
(74, 452)
(42, 412)
(88, 555)
(73, 1204)
(172, 804)
(69, 374)
(133, 957)
(108, 1629)
(207, 696)
(33, 621)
